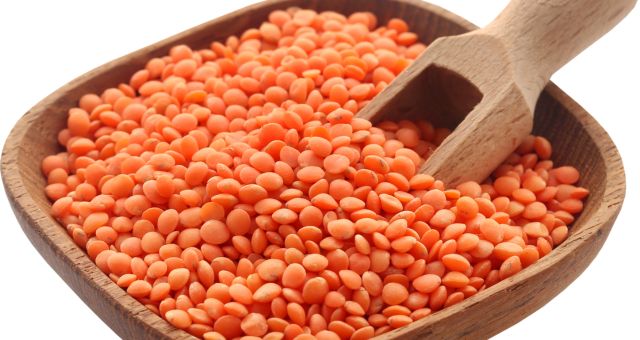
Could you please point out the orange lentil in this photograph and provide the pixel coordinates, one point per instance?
(234, 190)
(139, 289)
(427, 283)
(341, 229)
(467, 242)
(505, 250)
(254, 324)
(315, 290)
(467, 207)
(214, 232)
(241, 293)
(456, 262)
(492, 231)
(394, 293)
(236, 309)
(293, 276)
(506, 185)
(178, 278)
(455, 280)
(336, 163)
(509, 267)
(271, 269)
(178, 318)
(315, 262)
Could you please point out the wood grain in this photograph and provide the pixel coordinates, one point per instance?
(577, 138)
(543, 35)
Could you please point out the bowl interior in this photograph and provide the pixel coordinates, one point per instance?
(573, 144)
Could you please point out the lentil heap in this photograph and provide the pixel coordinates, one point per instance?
(234, 192)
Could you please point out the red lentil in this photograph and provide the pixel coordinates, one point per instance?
(234, 191)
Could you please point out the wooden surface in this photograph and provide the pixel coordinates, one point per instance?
(543, 35)
(577, 139)
(486, 82)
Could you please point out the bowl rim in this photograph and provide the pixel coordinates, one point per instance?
(41, 228)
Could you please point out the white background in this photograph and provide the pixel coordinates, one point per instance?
(44, 44)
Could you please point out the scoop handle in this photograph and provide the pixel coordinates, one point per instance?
(543, 35)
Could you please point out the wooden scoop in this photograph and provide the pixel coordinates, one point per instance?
(486, 83)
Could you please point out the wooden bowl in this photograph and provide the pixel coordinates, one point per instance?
(577, 139)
